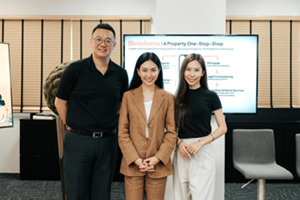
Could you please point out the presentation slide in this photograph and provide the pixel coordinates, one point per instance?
(231, 62)
(6, 119)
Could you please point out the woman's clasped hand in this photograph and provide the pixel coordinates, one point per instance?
(147, 165)
(187, 150)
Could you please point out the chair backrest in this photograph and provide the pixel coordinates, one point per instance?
(297, 138)
(253, 146)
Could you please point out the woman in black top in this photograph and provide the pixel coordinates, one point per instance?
(194, 165)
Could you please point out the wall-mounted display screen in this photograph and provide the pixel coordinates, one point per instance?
(6, 115)
(231, 62)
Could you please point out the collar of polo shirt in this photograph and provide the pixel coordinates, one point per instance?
(92, 67)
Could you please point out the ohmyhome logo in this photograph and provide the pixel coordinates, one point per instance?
(142, 44)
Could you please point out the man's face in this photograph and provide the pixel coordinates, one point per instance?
(102, 43)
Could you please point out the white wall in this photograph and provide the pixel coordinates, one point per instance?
(263, 7)
(80, 7)
(10, 146)
(77, 7)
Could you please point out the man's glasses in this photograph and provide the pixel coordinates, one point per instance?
(99, 40)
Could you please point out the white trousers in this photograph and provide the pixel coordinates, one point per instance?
(194, 179)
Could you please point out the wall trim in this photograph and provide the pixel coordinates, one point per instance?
(263, 18)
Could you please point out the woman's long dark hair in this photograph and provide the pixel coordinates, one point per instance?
(181, 97)
(136, 80)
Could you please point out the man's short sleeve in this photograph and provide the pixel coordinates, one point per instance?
(124, 84)
(67, 83)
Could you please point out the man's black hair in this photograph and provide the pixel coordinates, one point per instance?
(105, 26)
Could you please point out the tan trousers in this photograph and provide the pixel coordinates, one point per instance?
(137, 186)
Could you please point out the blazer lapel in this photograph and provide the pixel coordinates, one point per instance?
(138, 99)
(158, 99)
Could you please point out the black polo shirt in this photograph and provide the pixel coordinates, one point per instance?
(93, 98)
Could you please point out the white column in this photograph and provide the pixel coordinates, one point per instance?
(190, 16)
(219, 150)
(195, 17)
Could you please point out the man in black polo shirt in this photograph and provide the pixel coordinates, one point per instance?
(87, 101)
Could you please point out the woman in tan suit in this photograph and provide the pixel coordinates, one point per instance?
(146, 131)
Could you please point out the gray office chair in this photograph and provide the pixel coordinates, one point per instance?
(254, 157)
(297, 138)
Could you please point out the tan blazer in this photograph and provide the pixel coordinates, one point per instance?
(161, 129)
